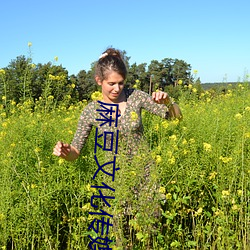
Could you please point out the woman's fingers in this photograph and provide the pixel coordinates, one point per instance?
(61, 149)
(160, 97)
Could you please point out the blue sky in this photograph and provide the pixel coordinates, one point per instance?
(212, 36)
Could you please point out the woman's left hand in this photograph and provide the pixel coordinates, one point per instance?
(161, 97)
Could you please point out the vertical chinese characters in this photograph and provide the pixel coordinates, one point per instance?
(108, 114)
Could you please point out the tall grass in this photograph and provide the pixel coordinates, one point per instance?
(202, 168)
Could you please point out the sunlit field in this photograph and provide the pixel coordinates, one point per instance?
(202, 167)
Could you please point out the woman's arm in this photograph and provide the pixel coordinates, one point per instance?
(163, 98)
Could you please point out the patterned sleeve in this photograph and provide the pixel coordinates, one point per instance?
(151, 106)
(84, 127)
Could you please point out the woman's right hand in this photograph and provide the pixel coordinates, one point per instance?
(66, 151)
(61, 149)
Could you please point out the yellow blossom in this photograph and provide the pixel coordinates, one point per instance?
(73, 85)
(29, 44)
(13, 103)
(133, 173)
(86, 207)
(207, 147)
(225, 193)
(135, 86)
(180, 82)
(195, 71)
(198, 212)
(96, 96)
(133, 116)
(239, 192)
(175, 122)
(168, 196)
(194, 90)
(190, 86)
(238, 116)
(225, 159)
(56, 58)
(162, 190)
(2, 217)
(158, 159)
(164, 124)
(2, 72)
(171, 160)
(50, 97)
(33, 186)
(247, 108)
(137, 81)
(218, 212)
(191, 140)
(184, 141)
(173, 137)
(51, 77)
(60, 161)
(3, 97)
(37, 149)
(212, 175)
(4, 124)
(156, 127)
(235, 207)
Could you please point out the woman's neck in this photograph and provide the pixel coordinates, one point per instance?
(120, 99)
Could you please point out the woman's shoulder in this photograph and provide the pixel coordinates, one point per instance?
(135, 93)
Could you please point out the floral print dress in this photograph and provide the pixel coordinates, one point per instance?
(129, 124)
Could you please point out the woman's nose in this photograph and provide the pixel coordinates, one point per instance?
(116, 87)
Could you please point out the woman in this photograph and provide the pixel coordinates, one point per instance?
(110, 74)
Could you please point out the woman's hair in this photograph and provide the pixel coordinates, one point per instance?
(110, 60)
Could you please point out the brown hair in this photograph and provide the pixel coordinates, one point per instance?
(110, 60)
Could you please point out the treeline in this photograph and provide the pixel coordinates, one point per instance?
(22, 79)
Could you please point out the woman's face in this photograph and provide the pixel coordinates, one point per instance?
(112, 86)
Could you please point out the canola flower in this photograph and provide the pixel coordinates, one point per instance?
(180, 82)
(238, 116)
(207, 147)
(239, 192)
(225, 193)
(57, 78)
(168, 196)
(158, 159)
(225, 159)
(173, 137)
(133, 116)
(156, 127)
(171, 160)
(164, 124)
(96, 96)
(235, 207)
(29, 44)
(2, 72)
(162, 190)
(56, 58)
(198, 212)
(212, 175)
(194, 90)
